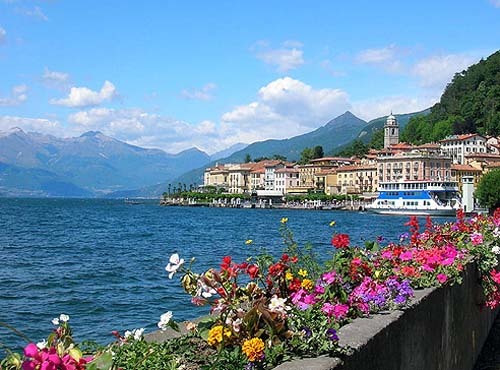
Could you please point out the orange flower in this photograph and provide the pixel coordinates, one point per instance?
(215, 335)
(253, 348)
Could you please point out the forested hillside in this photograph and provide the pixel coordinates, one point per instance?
(470, 103)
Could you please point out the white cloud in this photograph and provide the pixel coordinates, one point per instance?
(30, 124)
(138, 127)
(17, 96)
(373, 108)
(205, 93)
(56, 79)
(34, 12)
(436, 71)
(386, 57)
(289, 56)
(284, 108)
(3, 35)
(80, 97)
(495, 3)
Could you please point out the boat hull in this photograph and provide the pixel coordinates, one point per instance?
(413, 212)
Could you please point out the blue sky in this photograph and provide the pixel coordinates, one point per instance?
(178, 74)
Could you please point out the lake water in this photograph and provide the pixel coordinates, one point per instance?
(102, 261)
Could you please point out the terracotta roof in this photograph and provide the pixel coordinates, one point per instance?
(357, 168)
(464, 167)
(460, 137)
(332, 159)
(483, 155)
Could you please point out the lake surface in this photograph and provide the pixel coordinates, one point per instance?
(102, 261)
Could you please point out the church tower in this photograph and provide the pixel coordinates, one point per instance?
(391, 131)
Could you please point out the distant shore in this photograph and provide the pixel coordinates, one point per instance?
(347, 205)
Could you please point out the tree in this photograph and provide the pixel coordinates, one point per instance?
(306, 155)
(488, 190)
(318, 152)
(248, 159)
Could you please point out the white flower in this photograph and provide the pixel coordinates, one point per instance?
(204, 290)
(42, 344)
(496, 232)
(496, 249)
(55, 321)
(164, 320)
(63, 317)
(127, 334)
(136, 333)
(174, 264)
(278, 305)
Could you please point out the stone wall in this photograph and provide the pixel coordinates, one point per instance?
(443, 329)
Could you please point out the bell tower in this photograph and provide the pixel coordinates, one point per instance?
(391, 131)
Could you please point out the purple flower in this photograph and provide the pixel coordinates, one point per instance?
(332, 334)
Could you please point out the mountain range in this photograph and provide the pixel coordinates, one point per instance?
(93, 164)
(89, 165)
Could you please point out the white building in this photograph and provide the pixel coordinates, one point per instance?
(458, 146)
(286, 178)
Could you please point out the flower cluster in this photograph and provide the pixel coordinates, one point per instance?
(293, 304)
(57, 353)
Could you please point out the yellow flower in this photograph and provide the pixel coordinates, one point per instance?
(215, 335)
(284, 220)
(307, 284)
(302, 273)
(249, 241)
(332, 223)
(253, 348)
(288, 275)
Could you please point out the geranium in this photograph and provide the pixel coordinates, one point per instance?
(340, 241)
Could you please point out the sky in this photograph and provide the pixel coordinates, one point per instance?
(208, 74)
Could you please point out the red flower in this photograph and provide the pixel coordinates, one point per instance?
(340, 241)
(253, 271)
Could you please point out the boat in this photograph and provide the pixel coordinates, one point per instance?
(418, 198)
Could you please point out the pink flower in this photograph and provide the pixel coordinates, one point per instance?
(476, 238)
(495, 276)
(442, 278)
(340, 310)
(406, 256)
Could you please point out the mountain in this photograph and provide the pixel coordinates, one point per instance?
(376, 124)
(333, 134)
(93, 162)
(227, 152)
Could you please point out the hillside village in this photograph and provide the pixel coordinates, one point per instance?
(446, 160)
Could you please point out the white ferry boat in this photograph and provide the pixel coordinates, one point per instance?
(438, 198)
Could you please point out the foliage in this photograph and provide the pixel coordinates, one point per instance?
(469, 104)
(308, 154)
(357, 148)
(488, 190)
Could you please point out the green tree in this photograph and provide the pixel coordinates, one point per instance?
(306, 155)
(318, 152)
(488, 190)
(248, 159)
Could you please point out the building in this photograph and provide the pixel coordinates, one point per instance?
(391, 131)
(357, 179)
(286, 178)
(308, 171)
(415, 165)
(458, 171)
(458, 146)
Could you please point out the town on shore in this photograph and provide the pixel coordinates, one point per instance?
(344, 183)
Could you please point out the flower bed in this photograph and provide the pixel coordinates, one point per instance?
(266, 311)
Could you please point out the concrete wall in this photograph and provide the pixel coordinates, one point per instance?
(444, 329)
